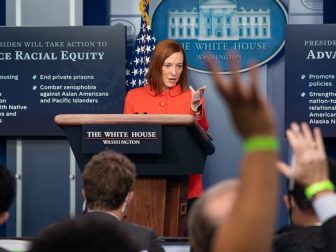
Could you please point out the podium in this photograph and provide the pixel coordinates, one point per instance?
(166, 149)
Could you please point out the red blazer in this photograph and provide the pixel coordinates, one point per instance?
(174, 101)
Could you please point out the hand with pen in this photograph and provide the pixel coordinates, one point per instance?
(310, 165)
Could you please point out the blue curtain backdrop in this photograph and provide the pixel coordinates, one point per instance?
(2, 139)
(329, 17)
(329, 10)
(96, 12)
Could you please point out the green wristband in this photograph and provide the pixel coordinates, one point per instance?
(261, 143)
(313, 189)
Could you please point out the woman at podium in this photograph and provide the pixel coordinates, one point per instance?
(167, 92)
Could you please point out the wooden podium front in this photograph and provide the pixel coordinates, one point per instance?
(160, 195)
(161, 203)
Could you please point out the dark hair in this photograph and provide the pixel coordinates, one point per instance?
(85, 235)
(107, 179)
(298, 192)
(7, 189)
(162, 51)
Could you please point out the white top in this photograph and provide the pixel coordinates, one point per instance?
(325, 206)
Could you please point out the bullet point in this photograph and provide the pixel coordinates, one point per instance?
(34, 77)
(34, 87)
(303, 76)
(303, 94)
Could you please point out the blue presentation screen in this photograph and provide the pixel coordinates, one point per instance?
(45, 71)
(310, 89)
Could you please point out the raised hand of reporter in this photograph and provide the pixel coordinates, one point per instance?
(250, 113)
(311, 164)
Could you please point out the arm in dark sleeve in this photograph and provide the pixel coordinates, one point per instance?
(155, 243)
(329, 233)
